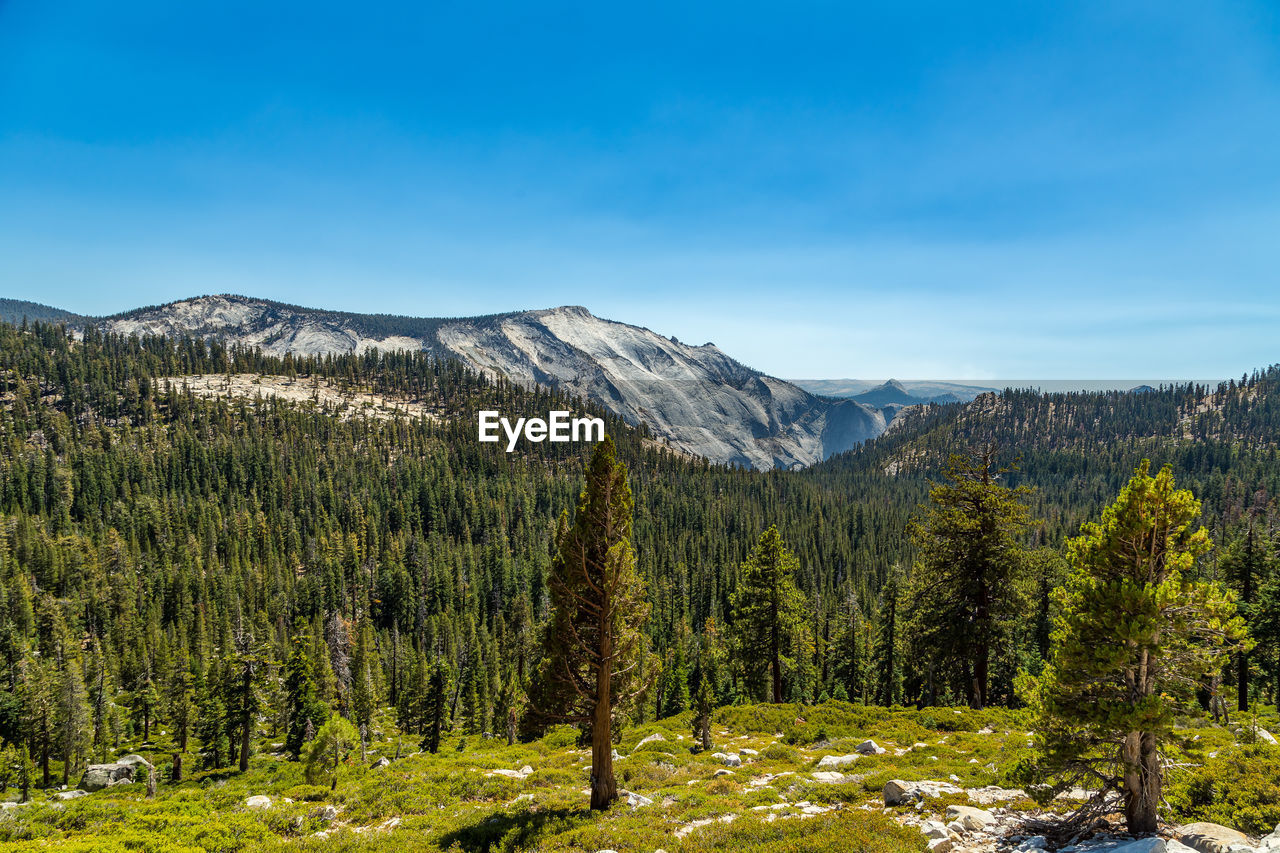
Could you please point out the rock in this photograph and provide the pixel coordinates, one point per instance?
(526, 770)
(837, 760)
(325, 813)
(986, 730)
(258, 801)
(751, 752)
(723, 771)
(869, 747)
(1265, 736)
(637, 801)
(1172, 846)
(1272, 841)
(510, 774)
(828, 777)
(1210, 837)
(940, 845)
(99, 776)
(971, 818)
(728, 759)
(1035, 842)
(70, 795)
(653, 738)
(133, 760)
(897, 792)
(1152, 844)
(380, 763)
(616, 756)
(934, 829)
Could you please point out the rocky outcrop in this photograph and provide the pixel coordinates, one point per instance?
(121, 772)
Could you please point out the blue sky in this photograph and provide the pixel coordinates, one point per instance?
(824, 189)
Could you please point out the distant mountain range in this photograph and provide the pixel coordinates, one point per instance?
(696, 398)
(894, 392)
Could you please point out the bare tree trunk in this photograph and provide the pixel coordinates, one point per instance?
(1142, 778)
(604, 788)
(177, 767)
(511, 726)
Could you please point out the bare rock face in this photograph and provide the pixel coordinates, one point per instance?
(1211, 837)
(695, 398)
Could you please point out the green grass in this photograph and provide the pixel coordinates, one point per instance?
(450, 802)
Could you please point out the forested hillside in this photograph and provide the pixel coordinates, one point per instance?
(179, 563)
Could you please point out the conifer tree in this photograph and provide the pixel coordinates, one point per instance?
(707, 677)
(1244, 564)
(435, 703)
(596, 661)
(363, 687)
(966, 581)
(74, 721)
(332, 743)
(303, 709)
(766, 608)
(1136, 636)
(888, 661)
(39, 708)
(243, 687)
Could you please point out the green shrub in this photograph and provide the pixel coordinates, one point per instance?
(1239, 788)
(307, 793)
(782, 752)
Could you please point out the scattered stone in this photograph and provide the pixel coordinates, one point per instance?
(1272, 841)
(325, 813)
(729, 759)
(934, 829)
(751, 752)
(940, 845)
(723, 771)
(898, 792)
(258, 801)
(1035, 842)
(636, 801)
(828, 777)
(829, 761)
(1267, 737)
(380, 763)
(869, 747)
(71, 795)
(986, 730)
(1210, 837)
(526, 770)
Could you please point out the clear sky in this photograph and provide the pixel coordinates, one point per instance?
(823, 189)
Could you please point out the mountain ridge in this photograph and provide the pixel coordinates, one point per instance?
(697, 398)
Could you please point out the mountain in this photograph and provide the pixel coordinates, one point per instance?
(696, 398)
(16, 310)
(906, 393)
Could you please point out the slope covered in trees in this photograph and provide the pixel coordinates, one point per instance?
(232, 571)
